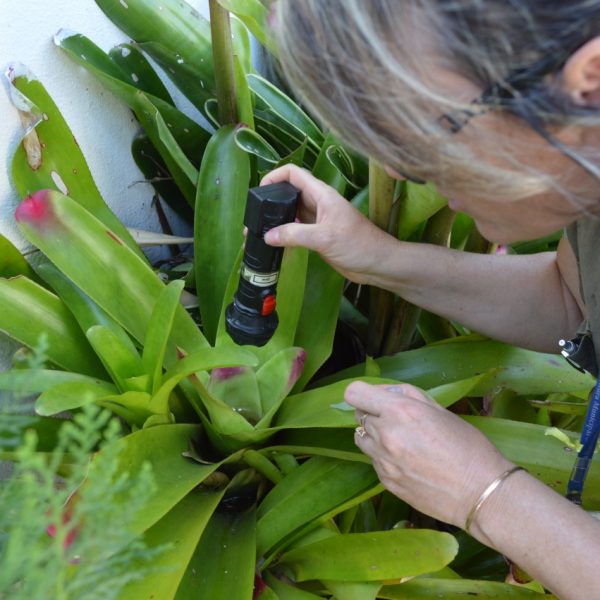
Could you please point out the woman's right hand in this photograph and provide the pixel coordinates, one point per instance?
(330, 225)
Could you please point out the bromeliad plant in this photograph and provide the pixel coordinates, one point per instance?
(259, 486)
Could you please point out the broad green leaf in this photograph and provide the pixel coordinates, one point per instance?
(71, 395)
(155, 171)
(224, 563)
(141, 73)
(12, 262)
(254, 14)
(545, 457)
(458, 589)
(321, 407)
(218, 225)
(316, 487)
(29, 310)
(103, 267)
(374, 556)
(179, 532)
(159, 331)
(287, 592)
(134, 407)
(175, 476)
(245, 105)
(284, 137)
(119, 360)
(87, 313)
(417, 204)
(30, 381)
(49, 156)
(253, 143)
(190, 137)
(323, 289)
(204, 360)
(241, 44)
(449, 393)
(175, 32)
(170, 143)
(238, 388)
(524, 371)
(286, 109)
(276, 378)
(295, 157)
(354, 590)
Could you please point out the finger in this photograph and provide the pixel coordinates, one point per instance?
(365, 442)
(364, 397)
(406, 389)
(312, 188)
(292, 235)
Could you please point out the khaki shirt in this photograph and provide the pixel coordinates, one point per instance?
(584, 237)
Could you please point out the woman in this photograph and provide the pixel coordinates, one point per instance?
(498, 103)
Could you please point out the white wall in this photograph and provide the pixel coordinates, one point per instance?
(103, 126)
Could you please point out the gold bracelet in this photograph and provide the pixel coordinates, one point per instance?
(489, 490)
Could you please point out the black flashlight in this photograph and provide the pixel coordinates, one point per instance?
(251, 318)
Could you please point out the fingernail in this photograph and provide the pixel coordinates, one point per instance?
(395, 388)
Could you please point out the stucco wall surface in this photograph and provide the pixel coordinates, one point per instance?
(102, 125)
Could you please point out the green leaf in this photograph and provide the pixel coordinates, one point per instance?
(179, 530)
(140, 72)
(71, 395)
(155, 171)
(524, 371)
(543, 456)
(218, 225)
(175, 476)
(321, 407)
(102, 266)
(276, 378)
(418, 203)
(29, 310)
(174, 34)
(120, 360)
(313, 489)
(254, 14)
(134, 407)
(87, 313)
(449, 393)
(204, 360)
(12, 262)
(189, 136)
(159, 331)
(49, 156)
(374, 556)
(286, 110)
(30, 381)
(457, 589)
(287, 592)
(225, 561)
(238, 388)
(253, 143)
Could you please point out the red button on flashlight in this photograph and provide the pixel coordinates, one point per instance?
(268, 305)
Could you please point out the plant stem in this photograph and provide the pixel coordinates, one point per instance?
(223, 62)
(381, 199)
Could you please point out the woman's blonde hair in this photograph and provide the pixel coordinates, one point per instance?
(367, 69)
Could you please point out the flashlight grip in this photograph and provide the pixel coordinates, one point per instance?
(251, 317)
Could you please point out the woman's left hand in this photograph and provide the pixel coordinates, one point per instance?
(423, 453)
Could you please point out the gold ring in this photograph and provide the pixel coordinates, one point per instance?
(360, 432)
(363, 419)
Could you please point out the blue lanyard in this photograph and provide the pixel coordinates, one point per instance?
(589, 440)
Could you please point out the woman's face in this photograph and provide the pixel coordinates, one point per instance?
(533, 217)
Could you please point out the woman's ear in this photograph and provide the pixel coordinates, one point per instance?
(581, 75)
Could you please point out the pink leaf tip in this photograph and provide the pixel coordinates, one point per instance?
(35, 208)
